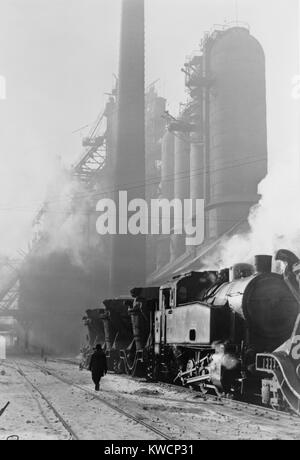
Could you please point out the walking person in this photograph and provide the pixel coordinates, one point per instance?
(98, 366)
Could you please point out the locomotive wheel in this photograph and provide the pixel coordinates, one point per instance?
(130, 363)
(118, 366)
(133, 366)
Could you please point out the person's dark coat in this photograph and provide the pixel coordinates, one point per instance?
(98, 365)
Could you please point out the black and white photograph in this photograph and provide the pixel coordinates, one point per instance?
(149, 223)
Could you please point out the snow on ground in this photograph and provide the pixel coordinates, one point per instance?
(26, 417)
(29, 417)
(178, 412)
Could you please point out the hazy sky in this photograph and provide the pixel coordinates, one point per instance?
(58, 57)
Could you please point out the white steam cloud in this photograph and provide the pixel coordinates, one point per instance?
(21, 195)
(68, 223)
(274, 221)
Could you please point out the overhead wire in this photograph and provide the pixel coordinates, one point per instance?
(124, 187)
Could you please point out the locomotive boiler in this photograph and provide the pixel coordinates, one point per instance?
(203, 329)
(210, 336)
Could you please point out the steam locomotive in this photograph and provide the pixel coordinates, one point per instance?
(213, 330)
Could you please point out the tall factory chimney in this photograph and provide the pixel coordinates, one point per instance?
(128, 251)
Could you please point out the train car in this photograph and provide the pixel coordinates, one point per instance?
(93, 321)
(205, 329)
(94, 324)
(137, 358)
(117, 331)
(212, 341)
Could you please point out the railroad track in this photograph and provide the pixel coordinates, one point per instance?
(251, 408)
(236, 408)
(101, 399)
(71, 434)
(255, 409)
(243, 412)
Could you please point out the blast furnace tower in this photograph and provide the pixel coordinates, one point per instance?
(216, 149)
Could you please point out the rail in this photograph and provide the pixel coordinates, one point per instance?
(104, 401)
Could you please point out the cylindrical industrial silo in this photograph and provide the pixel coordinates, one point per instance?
(167, 192)
(197, 168)
(196, 176)
(237, 126)
(194, 81)
(167, 165)
(155, 130)
(197, 163)
(181, 186)
(196, 85)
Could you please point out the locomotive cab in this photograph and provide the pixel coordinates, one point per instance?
(186, 320)
(186, 327)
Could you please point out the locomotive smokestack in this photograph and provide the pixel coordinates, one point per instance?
(263, 264)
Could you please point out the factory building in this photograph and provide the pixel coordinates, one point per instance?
(215, 149)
